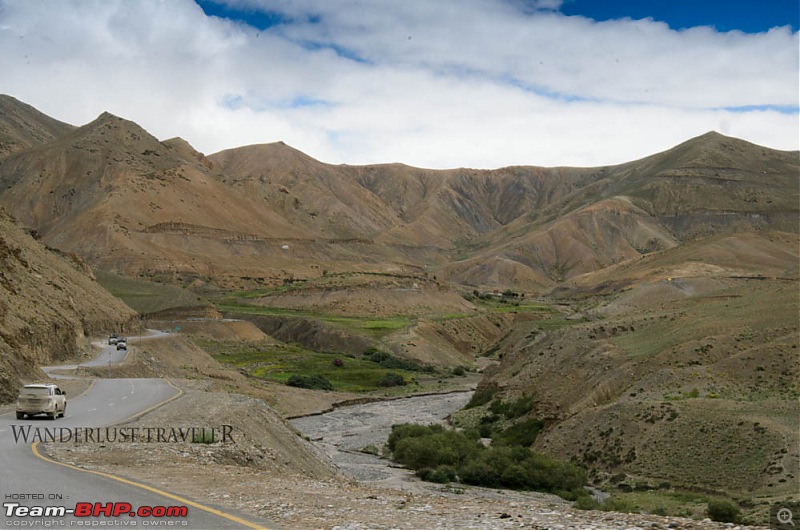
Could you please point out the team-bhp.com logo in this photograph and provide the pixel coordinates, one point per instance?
(95, 509)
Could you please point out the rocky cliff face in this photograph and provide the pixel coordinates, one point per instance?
(49, 307)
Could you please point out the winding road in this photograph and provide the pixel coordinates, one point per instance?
(29, 479)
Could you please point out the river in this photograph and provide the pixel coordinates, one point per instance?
(344, 432)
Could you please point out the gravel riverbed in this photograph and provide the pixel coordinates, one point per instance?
(261, 480)
(343, 433)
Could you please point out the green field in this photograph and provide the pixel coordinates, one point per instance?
(280, 362)
(373, 326)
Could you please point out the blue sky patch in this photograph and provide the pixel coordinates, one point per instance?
(783, 109)
(258, 19)
(748, 16)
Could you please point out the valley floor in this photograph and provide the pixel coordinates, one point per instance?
(256, 480)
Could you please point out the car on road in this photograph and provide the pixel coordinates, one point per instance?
(45, 399)
(113, 339)
(122, 344)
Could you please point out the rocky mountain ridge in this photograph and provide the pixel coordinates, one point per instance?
(132, 204)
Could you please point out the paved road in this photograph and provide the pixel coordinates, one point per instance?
(107, 402)
(107, 356)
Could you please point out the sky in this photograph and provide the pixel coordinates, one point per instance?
(429, 83)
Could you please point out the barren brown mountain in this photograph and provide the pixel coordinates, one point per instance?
(712, 184)
(114, 194)
(22, 126)
(49, 307)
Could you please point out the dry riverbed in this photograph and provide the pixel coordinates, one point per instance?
(274, 474)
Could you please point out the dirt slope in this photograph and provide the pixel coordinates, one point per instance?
(22, 126)
(689, 380)
(49, 307)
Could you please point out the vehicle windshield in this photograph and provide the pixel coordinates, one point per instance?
(35, 391)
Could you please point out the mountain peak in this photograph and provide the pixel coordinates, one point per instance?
(108, 125)
(107, 117)
(712, 134)
(184, 148)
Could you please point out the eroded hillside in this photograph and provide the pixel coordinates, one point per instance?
(49, 307)
(681, 370)
(264, 214)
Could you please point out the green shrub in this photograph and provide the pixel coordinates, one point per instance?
(523, 433)
(574, 494)
(520, 407)
(586, 503)
(513, 409)
(440, 475)
(371, 449)
(387, 360)
(492, 418)
(485, 430)
(439, 454)
(313, 382)
(618, 504)
(522, 469)
(409, 430)
(391, 379)
(549, 474)
(459, 371)
(479, 473)
(433, 450)
(498, 407)
(723, 511)
(481, 396)
(203, 436)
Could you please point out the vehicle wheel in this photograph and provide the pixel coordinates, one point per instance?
(54, 415)
(63, 412)
(20, 415)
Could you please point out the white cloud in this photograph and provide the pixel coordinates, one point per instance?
(481, 83)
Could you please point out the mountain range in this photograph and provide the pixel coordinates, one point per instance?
(126, 202)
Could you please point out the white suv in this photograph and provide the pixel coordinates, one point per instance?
(41, 399)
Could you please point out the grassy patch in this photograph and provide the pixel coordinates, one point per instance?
(658, 502)
(510, 305)
(451, 316)
(373, 326)
(282, 362)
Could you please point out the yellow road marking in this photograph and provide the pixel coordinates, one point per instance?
(248, 524)
(91, 384)
(218, 513)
